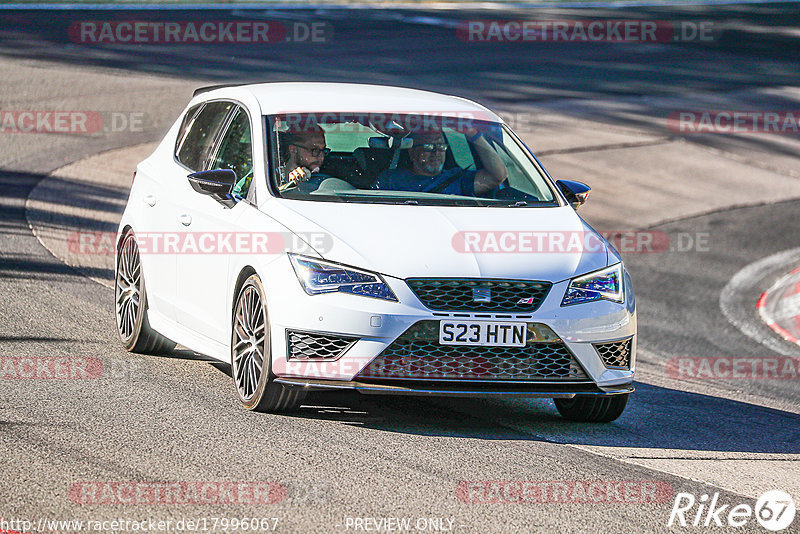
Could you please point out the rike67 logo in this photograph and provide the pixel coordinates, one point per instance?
(774, 510)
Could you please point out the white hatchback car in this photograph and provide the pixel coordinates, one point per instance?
(385, 240)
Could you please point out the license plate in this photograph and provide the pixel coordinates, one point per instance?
(485, 333)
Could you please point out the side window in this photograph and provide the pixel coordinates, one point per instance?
(195, 147)
(236, 152)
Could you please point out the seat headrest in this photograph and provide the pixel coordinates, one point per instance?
(390, 142)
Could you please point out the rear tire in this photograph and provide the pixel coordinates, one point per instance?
(133, 326)
(592, 409)
(251, 355)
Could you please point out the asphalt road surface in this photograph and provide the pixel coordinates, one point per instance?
(77, 449)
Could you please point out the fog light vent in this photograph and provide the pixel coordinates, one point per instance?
(315, 346)
(616, 355)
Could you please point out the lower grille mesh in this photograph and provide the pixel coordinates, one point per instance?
(312, 346)
(412, 356)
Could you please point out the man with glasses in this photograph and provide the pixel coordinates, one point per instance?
(302, 154)
(427, 172)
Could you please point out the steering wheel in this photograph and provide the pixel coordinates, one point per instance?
(305, 186)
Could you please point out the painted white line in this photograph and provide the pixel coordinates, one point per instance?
(787, 307)
(740, 311)
(78, 268)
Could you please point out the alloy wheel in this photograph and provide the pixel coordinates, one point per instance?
(248, 346)
(128, 288)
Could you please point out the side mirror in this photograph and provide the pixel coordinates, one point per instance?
(217, 183)
(575, 192)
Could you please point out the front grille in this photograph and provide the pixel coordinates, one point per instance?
(479, 295)
(616, 354)
(311, 346)
(417, 354)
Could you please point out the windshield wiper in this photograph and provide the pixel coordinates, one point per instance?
(523, 203)
(410, 202)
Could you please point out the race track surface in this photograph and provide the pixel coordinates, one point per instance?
(729, 205)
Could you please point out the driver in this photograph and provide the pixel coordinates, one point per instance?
(427, 172)
(303, 154)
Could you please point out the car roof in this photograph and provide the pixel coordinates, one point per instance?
(313, 97)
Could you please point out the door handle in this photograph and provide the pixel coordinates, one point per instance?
(150, 200)
(185, 219)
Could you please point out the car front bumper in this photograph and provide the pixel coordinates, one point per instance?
(368, 328)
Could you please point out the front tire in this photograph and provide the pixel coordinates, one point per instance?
(251, 355)
(133, 326)
(592, 409)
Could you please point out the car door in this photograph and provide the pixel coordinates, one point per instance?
(202, 273)
(159, 185)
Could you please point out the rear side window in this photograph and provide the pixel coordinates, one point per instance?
(198, 141)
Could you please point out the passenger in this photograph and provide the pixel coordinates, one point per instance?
(302, 154)
(427, 163)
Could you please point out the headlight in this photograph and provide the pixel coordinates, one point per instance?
(317, 277)
(605, 284)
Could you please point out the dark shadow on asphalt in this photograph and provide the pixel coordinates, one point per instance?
(16, 187)
(656, 417)
(30, 268)
(34, 262)
(78, 194)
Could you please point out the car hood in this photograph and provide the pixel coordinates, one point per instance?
(426, 241)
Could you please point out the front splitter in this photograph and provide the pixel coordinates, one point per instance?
(460, 389)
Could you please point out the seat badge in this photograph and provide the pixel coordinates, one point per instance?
(481, 294)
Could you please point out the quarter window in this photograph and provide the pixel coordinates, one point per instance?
(187, 121)
(196, 146)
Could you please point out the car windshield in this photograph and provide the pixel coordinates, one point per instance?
(403, 159)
